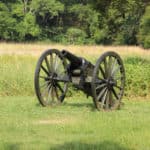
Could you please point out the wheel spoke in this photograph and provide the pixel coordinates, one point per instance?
(107, 100)
(60, 70)
(105, 66)
(100, 81)
(44, 84)
(60, 88)
(110, 98)
(119, 87)
(51, 62)
(49, 93)
(55, 63)
(44, 69)
(104, 97)
(115, 70)
(61, 74)
(52, 94)
(58, 67)
(102, 71)
(43, 77)
(101, 93)
(110, 66)
(44, 92)
(47, 64)
(115, 94)
(113, 66)
(57, 95)
(101, 86)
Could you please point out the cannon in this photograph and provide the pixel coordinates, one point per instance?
(104, 81)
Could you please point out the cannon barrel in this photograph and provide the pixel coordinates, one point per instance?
(75, 60)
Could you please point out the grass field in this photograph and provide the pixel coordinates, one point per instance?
(74, 125)
(86, 51)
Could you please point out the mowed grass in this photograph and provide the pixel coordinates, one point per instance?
(76, 124)
(24, 124)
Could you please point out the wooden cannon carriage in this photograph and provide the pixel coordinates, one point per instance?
(104, 81)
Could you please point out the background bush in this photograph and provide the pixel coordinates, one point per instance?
(121, 22)
(75, 36)
(137, 76)
(144, 34)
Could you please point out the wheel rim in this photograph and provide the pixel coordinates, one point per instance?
(108, 81)
(51, 86)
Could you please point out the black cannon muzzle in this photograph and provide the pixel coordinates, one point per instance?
(74, 60)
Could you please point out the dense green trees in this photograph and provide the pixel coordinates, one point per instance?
(76, 21)
(144, 33)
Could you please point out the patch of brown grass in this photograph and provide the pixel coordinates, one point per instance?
(37, 49)
(55, 121)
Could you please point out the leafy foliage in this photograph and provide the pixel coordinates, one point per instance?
(28, 29)
(7, 23)
(75, 36)
(101, 22)
(144, 34)
(137, 76)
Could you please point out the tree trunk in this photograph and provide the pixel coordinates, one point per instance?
(25, 2)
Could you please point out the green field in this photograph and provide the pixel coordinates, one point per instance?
(74, 125)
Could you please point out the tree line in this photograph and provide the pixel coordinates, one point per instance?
(117, 22)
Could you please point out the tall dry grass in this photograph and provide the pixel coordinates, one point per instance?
(36, 49)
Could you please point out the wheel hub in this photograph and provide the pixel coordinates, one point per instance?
(53, 76)
(110, 83)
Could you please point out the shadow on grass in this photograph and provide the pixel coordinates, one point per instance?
(90, 105)
(12, 146)
(38, 105)
(106, 145)
(73, 105)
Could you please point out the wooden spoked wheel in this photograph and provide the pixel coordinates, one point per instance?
(108, 81)
(49, 81)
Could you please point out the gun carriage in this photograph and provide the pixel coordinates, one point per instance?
(104, 81)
